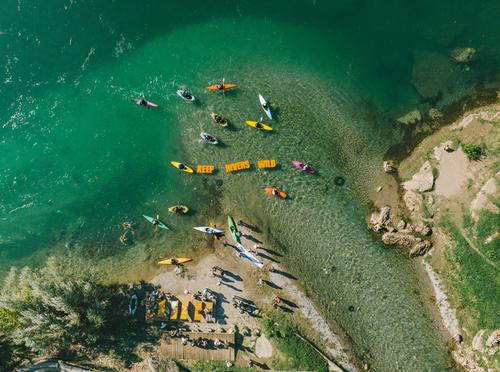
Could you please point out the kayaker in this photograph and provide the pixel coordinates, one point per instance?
(258, 125)
(220, 86)
(275, 192)
(181, 166)
(265, 106)
(126, 225)
(143, 102)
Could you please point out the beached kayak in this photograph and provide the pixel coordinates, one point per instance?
(178, 209)
(175, 261)
(299, 165)
(160, 224)
(275, 192)
(185, 95)
(219, 119)
(235, 234)
(258, 125)
(182, 167)
(250, 257)
(208, 230)
(265, 107)
(141, 102)
(208, 138)
(221, 86)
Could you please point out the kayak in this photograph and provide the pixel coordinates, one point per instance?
(179, 209)
(264, 104)
(175, 261)
(221, 86)
(235, 234)
(160, 224)
(222, 121)
(298, 164)
(258, 125)
(208, 138)
(209, 230)
(188, 97)
(133, 304)
(148, 103)
(244, 253)
(269, 190)
(185, 168)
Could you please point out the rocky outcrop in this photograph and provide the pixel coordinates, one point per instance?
(413, 117)
(398, 238)
(463, 55)
(484, 196)
(493, 339)
(421, 181)
(420, 248)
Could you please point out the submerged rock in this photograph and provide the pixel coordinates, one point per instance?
(421, 181)
(435, 114)
(463, 55)
(413, 117)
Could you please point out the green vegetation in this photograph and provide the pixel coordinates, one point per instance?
(488, 225)
(300, 355)
(211, 366)
(475, 280)
(474, 151)
(59, 311)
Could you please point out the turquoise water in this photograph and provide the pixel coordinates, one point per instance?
(78, 157)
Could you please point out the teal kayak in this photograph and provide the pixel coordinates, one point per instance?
(160, 224)
(233, 229)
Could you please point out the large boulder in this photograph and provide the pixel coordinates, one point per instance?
(420, 248)
(413, 201)
(463, 55)
(379, 221)
(413, 117)
(389, 166)
(398, 238)
(421, 181)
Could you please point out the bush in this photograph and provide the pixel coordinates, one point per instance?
(474, 151)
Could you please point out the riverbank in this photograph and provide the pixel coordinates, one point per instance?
(441, 203)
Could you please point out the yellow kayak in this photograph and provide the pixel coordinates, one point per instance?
(258, 125)
(182, 167)
(175, 261)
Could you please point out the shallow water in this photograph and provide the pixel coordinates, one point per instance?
(79, 157)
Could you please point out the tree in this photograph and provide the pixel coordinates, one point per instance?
(53, 308)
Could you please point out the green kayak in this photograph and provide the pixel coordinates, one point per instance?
(159, 223)
(233, 229)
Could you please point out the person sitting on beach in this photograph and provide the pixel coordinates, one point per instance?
(184, 340)
(217, 343)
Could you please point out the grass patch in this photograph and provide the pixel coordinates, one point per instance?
(474, 280)
(300, 355)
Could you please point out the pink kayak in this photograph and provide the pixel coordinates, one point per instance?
(299, 165)
(141, 102)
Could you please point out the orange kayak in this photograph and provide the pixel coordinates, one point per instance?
(221, 86)
(275, 192)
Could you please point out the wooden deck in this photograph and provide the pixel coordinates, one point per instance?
(174, 349)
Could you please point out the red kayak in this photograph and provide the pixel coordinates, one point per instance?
(303, 166)
(143, 102)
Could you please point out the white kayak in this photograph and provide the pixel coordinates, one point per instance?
(208, 138)
(209, 230)
(265, 107)
(250, 257)
(185, 95)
